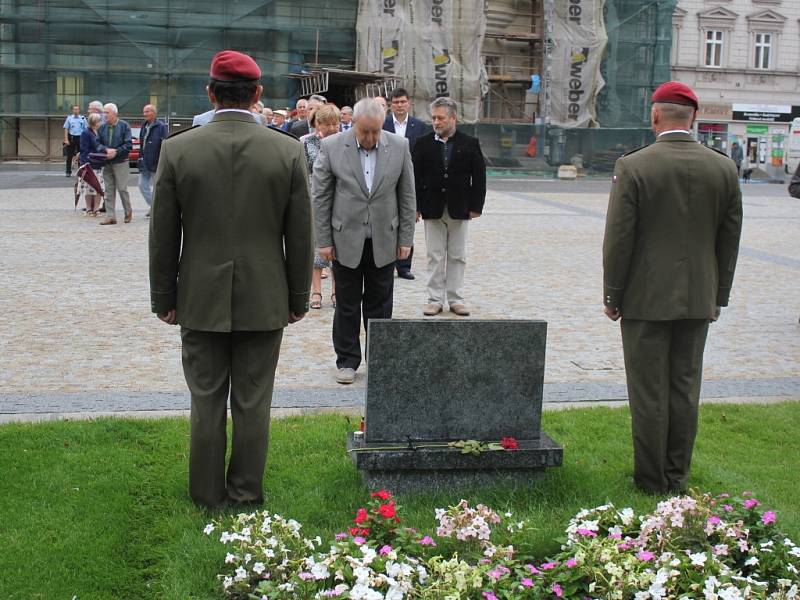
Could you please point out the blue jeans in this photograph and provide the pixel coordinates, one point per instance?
(146, 183)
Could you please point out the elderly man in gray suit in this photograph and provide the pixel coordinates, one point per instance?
(364, 214)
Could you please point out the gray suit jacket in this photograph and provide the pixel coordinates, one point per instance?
(343, 207)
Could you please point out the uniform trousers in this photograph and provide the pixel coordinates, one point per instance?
(73, 149)
(664, 369)
(242, 364)
(364, 291)
(446, 241)
(116, 177)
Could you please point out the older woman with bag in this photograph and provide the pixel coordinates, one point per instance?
(90, 154)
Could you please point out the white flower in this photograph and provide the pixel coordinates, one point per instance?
(259, 568)
(699, 559)
(362, 574)
(230, 558)
(752, 561)
(227, 582)
(208, 529)
(247, 558)
(320, 571)
(730, 593)
(269, 553)
(368, 553)
(225, 537)
(240, 574)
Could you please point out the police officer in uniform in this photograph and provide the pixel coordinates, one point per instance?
(671, 243)
(231, 249)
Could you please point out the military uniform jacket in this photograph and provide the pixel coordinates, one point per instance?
(231, 241)
(672, 231)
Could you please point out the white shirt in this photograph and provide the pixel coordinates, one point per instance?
(369, 160)
(400, 126)
(675, 131)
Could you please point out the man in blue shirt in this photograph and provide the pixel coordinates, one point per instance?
(151, 134)
(74, 126)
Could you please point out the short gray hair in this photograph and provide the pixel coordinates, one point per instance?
(348, 109)
(448, 103)
(368, 107)
(318, 98)
(96, 104)
(675, 113)
(112, 107)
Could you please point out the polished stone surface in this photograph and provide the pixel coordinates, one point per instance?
(432, 379)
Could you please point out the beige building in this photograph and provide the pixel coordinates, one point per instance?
(742, 57)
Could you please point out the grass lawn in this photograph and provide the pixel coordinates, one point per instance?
(98, 510)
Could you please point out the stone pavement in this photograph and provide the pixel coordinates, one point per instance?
(77, 336)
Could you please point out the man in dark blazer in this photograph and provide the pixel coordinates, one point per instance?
(231, 249)
(399, 122)
(302, 126)
(363, 194)
(450, 178)
(670, 249)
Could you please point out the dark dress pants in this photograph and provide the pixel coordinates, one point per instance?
(366, 290)
(664, 369)
(242, 364)
(404, 264)
(73, 149)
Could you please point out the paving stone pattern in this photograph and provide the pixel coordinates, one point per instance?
(76, 332)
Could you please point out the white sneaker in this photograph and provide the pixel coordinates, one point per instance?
(346, 375)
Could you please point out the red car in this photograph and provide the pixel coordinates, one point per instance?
(133, 157)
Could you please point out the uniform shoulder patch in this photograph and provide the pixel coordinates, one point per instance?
(635, 150)
(291, 135)
(180, 131)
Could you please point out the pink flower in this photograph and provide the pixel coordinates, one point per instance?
(728, 507)
(533, 570)
(571, 563)
(489, 596)
(768, 517)
(750, 503)
(623, 547)
(385, 550)
(305, 576)
(527, 582)
(548, 565)
(645, 556)
(340, 536)
(557, 590)
(724, 496)
(587, 533)
(359, 540)
(427, 541)
(715, 520)
(615, 535)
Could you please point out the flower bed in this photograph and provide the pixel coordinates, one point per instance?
(697, 546)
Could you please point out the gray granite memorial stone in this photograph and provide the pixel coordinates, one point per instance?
(431, 382)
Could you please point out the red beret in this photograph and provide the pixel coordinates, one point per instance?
(675, 92)
(230, 65)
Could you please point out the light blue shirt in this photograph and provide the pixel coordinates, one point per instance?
(75, 125)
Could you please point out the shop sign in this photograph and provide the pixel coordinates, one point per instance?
(765, 112)
(715, 111)
(758, 129)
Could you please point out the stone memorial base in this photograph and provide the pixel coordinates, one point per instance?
(401, 470)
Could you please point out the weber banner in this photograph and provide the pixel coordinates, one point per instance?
(579, 39)
(432, 46)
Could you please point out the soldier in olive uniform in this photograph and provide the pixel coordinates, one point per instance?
(670, 249)
(231, 250)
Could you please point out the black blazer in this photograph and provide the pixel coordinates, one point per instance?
(461, 187)
(414, 128)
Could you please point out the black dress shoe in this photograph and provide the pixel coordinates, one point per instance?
(405, 275)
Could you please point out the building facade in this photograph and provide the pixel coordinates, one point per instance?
(742, 57)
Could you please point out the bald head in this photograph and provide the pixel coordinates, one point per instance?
(150, 113)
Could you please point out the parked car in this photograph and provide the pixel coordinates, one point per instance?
(133, 157)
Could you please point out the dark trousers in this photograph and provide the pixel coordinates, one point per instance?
(366, 289)
(664, 369)
(73, 148)
(404, 265)
(241, 363)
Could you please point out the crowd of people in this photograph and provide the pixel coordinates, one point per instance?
(246, 220)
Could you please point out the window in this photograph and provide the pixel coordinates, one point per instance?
(69, 91)
(763, 50)
(713, 48)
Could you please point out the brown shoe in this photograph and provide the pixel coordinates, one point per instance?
(128, 217)
(432, 309)
(109, 222)
(459, 309)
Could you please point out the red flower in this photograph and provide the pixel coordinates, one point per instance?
(387, 511)
(361, 516)
(382, 494)
(509, 443)
(364, 532)
(353, 530)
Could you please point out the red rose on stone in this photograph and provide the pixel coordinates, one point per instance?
(361, 516)
(382, 494)
(509, 443)
(387, 511)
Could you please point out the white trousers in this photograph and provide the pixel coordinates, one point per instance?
(446, 242)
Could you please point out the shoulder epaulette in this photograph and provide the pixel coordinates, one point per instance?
(291, 135)
(180, 131)
(718, 151)
(632, 151)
